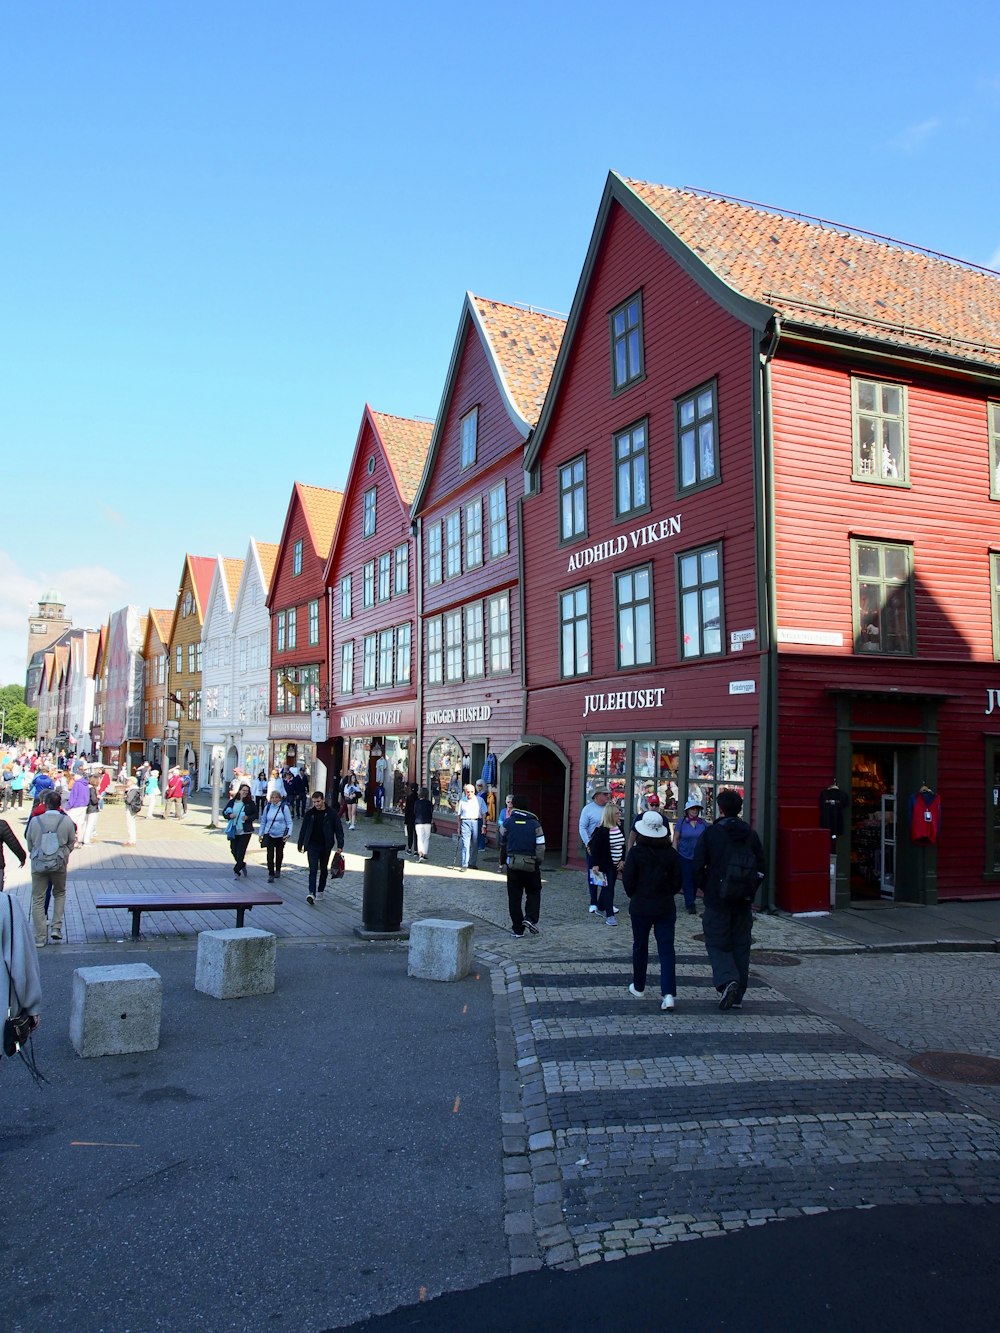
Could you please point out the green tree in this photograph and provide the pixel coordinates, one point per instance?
(19, 722)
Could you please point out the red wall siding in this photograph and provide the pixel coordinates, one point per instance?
(298, 590)
(687, 340)
(392, 529)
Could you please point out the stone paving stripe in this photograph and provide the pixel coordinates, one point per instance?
(692, 1044)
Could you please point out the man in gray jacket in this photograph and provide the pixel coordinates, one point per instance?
(51, 838)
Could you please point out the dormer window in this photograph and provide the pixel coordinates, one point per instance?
(470, 432)
(297, 557)
(368, 524)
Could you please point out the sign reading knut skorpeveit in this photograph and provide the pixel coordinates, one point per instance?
(647, 535)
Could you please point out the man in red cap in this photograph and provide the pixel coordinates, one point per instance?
(652, 802)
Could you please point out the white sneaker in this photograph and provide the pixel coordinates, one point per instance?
(592, 907)
(639, 994)
(667, 1002)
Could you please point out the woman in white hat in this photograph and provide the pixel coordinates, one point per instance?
(687, 831)
(652, 876)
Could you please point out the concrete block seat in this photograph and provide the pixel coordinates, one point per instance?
(115, 1010)
(235, 963)
(440, 950)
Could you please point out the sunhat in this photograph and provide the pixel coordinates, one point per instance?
(651, 825)
(693, 804)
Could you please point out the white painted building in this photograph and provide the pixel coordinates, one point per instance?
(80, 689)
(219, 732)
(252, 655)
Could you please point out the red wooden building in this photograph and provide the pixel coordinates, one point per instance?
(296, 601)
(764, 519)
(465, 510)
(371, 578)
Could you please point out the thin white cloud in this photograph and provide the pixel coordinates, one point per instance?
(913, 137)
(113, 516)
(994, 259)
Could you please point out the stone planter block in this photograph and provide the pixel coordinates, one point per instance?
(235, 963)
(440, 950)
(115, 1010)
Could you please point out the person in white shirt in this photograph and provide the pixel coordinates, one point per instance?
(468, 827)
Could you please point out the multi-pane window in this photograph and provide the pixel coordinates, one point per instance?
(297, 557)
(626, 342)
(498, 520)
(434, 561)
(470, 429)
(212, 703)
(403, 635)
(313, 623)
(453, 646)
(475, 661)
(572, 500)
(308, 680)
(243, 655)
(385, 657)
(224, 701)
(883, 598)
(368, 522)
(292, 627)
(473, 534)
(179, 659)
(880, 449)
(162, 678)
(401, 567)
(345, 597)
(634, 611)
(279, 644)
(368, 583)
(242, 703)
(498, 612)
(574, 623)
(191, 658)
(435, 651)
(453, 544)
(699, 575)
(384, 576)
(994, 427)
(347, 667)
(197, 662)
(631, 491)
(697, 439)
(370, 659)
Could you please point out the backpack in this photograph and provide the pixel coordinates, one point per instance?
(522, 830)
(93, 800)
(48, 854)
(740, 878)
(133, 800)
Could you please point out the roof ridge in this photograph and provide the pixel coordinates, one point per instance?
(524, 306)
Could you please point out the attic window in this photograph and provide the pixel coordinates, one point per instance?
(371, 465)
(297, 558)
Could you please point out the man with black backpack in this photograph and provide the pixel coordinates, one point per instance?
(729, 869)
(51, 837)
(522, 847)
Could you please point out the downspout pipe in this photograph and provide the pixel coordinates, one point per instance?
(769, 660)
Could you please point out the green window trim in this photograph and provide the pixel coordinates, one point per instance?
(993, 425)
(995, 601)
(701, 602)
(634, 618)
(572, 477)
(696, 433)
(884, 619)
(574, 632)
(625, 330)
(630, 460)
(879, 428)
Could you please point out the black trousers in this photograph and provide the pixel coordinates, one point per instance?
(275, 854)
(728, 932)
(523, 886)
(238, 846)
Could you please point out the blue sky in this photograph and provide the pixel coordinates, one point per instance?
(227, 226)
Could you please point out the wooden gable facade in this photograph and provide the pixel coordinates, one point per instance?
(371, 576)
(184, 668)
(155, 648)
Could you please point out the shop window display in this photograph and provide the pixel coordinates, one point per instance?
(444, 773)
(674, 768)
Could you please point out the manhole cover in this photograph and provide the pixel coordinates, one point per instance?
(764, 959)
(957, 1066)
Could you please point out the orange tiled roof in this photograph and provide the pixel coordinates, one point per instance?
(91, 643)
(406, 442)
(826, 276)
(321, 509)
(267, 554)
(202, 572)
(525, 344)
(233, 570)
(161, 623)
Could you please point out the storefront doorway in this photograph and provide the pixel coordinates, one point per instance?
(874, 787)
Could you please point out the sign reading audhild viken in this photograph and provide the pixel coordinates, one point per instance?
(635, 540)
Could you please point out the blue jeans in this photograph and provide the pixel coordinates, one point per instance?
(687, 880)
(470, 843)
(663, 930)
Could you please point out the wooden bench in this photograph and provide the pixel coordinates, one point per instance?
(186, 902)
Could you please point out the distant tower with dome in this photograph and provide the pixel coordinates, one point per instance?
(49, 623)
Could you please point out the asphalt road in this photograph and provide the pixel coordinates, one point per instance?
(291, 1161)
(896, 1268)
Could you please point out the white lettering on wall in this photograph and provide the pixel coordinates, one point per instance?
(638, 537)
(619, 700)
(446, 717)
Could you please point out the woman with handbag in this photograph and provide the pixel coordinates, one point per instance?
(275, 826)
(607, 853)
(241, 813)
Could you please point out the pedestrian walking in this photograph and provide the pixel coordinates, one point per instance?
(651, 877)
(423, 820)
(352, 792)
(687, 832)
(275, 827)
(185, 789)
(9, 839)
(728, 868)
(590, 816)
(21, 982)
(90, 818)
(241, 812)
(77, 802)
(468, 828)
(51, 837)
(133, 804)
(607, 853)
(17, 785)
(174, 794)
(320, 831)
(409, 822)
(152, 791)
(522, 848)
